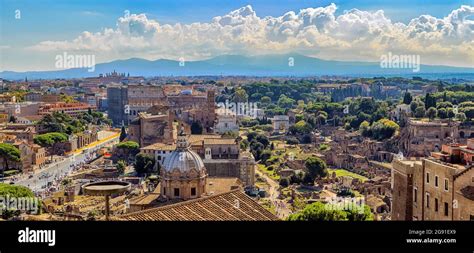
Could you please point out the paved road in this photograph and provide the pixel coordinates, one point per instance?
(282, 208)
(53, 173)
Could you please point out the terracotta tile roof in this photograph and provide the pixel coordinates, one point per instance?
(201, 137)
(223, 141)
(220, 207)
(215, 185)
(160, 146)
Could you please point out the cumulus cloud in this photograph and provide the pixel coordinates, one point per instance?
(319, 32)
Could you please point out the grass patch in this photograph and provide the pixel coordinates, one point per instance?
(342, 172)
(270, 173)
(324, 147)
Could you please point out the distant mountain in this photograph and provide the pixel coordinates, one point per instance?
(263, 65)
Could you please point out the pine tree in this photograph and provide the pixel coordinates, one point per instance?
(407, 98)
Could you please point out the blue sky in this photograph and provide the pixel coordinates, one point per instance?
(48, 20)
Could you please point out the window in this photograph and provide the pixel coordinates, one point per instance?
(446, 211)
(436, 181)
(193, 191)
(436, 205)
(427, 177)
(446, 184)
(176, 192)
(415, 193)
(427, 200)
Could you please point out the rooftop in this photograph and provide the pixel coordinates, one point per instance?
(468, 192)
(223, 141)
(231, 206)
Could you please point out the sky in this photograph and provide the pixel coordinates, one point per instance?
(34, 32)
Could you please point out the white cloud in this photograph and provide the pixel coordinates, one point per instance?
(353, 35)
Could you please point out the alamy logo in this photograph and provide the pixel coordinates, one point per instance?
(404, 61)
(69, 61)
(340, 203)
(24, 204)
(248, 109)
(28, 235)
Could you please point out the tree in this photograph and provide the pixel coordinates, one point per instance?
(297, 178)
(9, 153)
(50, 140)
(265, 100)
(367, 105)
(321, 118)
(318, 212)
(413, 106)
(196, 127)
(450, 113)
(256, 148)
(361, 213)
(365, 129)
(383, 129)
(333, 212)
(123, 134)
(301, 127)
(420, 112)
(285, 102)
(127, 148)
(265, 155)
(284, 182)
(15, 191)
(144, 164)
(431, 113)
(461, 117)
(240, 95)
(442, 113)
(468, 111)
(121, 165)
(316, 167)
(407, 98)
(430, 101)
(292, 141)
(263, 139)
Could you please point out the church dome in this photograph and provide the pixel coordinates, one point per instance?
(184, 161)
(183, 158)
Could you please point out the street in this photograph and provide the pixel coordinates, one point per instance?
(51, 176)
(281, 208)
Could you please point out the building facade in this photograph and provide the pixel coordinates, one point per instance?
(429, 189)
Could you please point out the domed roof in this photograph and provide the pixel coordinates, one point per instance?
(183, 158)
